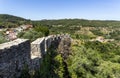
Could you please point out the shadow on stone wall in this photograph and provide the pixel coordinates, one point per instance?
(15, 54)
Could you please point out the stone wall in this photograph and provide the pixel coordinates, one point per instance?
(13, 56)
(37, 52)
(48, 41)
(39, 48)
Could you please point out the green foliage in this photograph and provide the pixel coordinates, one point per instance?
(94, 60)
(10, 21)
(2, 38)
(78, 22)
(88, 60)
(59, 67)
(37, 32)
(25, 72)
(52, 66)
(31, 34)
(97, 32)
(42, 29)
(101, 47)
(115, 35)
(82, 36)
(73, 25)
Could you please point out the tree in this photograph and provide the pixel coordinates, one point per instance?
(42, 29)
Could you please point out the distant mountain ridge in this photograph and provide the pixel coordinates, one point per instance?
(8, 17)
(10, 21)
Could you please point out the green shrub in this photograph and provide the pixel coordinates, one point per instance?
(31, 34)
(2, 38)
(25, 72)
(42, 29)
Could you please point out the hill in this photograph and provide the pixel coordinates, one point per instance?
(10, 21)
(82, 22)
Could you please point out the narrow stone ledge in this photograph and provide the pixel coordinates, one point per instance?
(12, 43)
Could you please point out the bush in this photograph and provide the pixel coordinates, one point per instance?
(2, 38)
(31, 34)
(88, 61)
(25, 72)
(42, 29)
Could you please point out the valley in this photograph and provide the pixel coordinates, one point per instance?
(92, 49)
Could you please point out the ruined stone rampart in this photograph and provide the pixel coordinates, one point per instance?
(37, 51)
(38, 47)
(15, 54)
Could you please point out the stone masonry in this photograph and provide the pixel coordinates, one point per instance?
(37, 52)
(16, 54)
(13, 56)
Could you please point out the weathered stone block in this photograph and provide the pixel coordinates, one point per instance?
(11, 57)
(37, 52)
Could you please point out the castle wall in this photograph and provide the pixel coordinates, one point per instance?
(37, 52)
(48, 41)
(13, 56)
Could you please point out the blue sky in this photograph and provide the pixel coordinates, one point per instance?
(60, 9)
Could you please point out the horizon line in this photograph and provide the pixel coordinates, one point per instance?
(61, 18)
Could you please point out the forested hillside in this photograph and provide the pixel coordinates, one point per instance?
(93, 52)
(10, 21)
(79, 22)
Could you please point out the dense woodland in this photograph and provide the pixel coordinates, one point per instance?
(86, 59)
(10, 21)
(14, 21)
